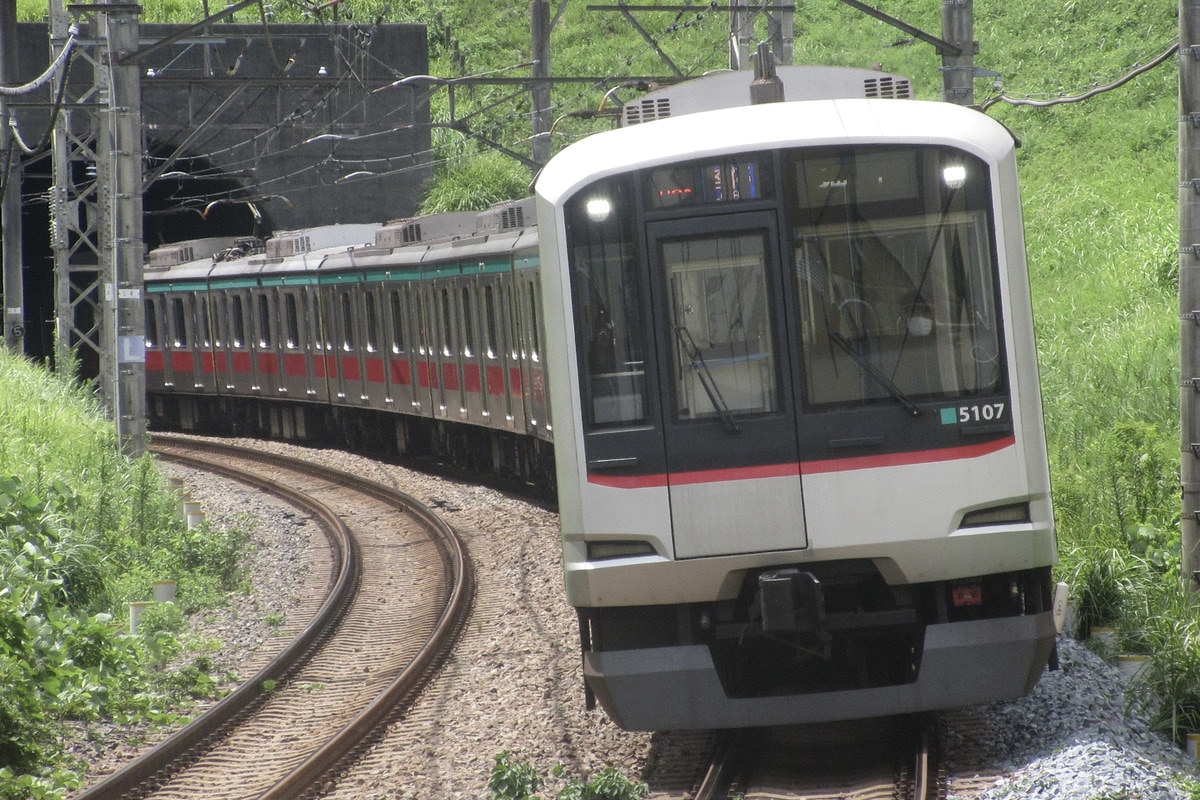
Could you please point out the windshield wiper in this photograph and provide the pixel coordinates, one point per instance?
(706, 378)
(874, 371)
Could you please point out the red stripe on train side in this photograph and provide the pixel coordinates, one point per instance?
(401, 373)
(426, 375)
(268, 364)
(805, 468)
(182, 361)
(374, 370)
(350, 370)
(450, 377)
(495, 381)
(241, 362)
(154, 360)
(472, 379)
(208, 364)
(295, 365)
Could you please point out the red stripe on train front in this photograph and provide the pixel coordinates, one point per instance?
(900, 459)
(805, 468)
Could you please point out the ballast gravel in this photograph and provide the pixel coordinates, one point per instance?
(517, 686)
(1081, 734)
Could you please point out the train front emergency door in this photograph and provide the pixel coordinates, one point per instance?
(729, 425)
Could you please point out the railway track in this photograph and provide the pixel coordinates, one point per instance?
(888, 759)
(398, 595)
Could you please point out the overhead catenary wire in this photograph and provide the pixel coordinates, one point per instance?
(252, 144)
(1096, 90)
(51, 71)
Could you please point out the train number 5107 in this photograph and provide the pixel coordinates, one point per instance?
(984, 413)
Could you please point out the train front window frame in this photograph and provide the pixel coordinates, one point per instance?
(896, 278)
(609, 298)
(718, 310)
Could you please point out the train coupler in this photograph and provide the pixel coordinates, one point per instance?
(790, 600)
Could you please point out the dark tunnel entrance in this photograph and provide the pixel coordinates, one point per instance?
(191, 199)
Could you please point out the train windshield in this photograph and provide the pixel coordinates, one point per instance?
(607, 285)
(894, 274)
(886, 258)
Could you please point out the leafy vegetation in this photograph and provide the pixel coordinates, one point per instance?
(518, 780)
(84, 531)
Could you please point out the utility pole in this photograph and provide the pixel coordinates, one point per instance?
(539, 13)
(958, 69)
(1189, 287)
(96, 212)
(10, 179)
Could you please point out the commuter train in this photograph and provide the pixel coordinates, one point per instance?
(420, 336)
(795, 417)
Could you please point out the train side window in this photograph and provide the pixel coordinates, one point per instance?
(398, 306)
(535, 333)
(347, 323)
(264, 321)
(372, 342)
(489, 318)
(468, 311)
(179, 333)
(221, 320)
(607, 296)
(151, 323)
(238, 313)
(509, 303)
(447, 324)
(318, 323)
(203, 320)
(291, 316)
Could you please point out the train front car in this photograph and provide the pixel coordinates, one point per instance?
(801, 462)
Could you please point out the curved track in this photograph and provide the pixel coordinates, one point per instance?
(400, 592)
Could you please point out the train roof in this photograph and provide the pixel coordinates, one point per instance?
(767, 126)
(729, 89)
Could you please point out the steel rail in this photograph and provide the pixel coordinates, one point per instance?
(437, 645)
(140, 772)
(403, 687)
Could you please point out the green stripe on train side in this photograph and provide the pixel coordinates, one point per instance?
(340, 278)
(177, 286)
(392, 276)
(217, 284)
(290, 280)
(527, 260)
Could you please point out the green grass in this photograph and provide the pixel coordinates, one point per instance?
(84, 531)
